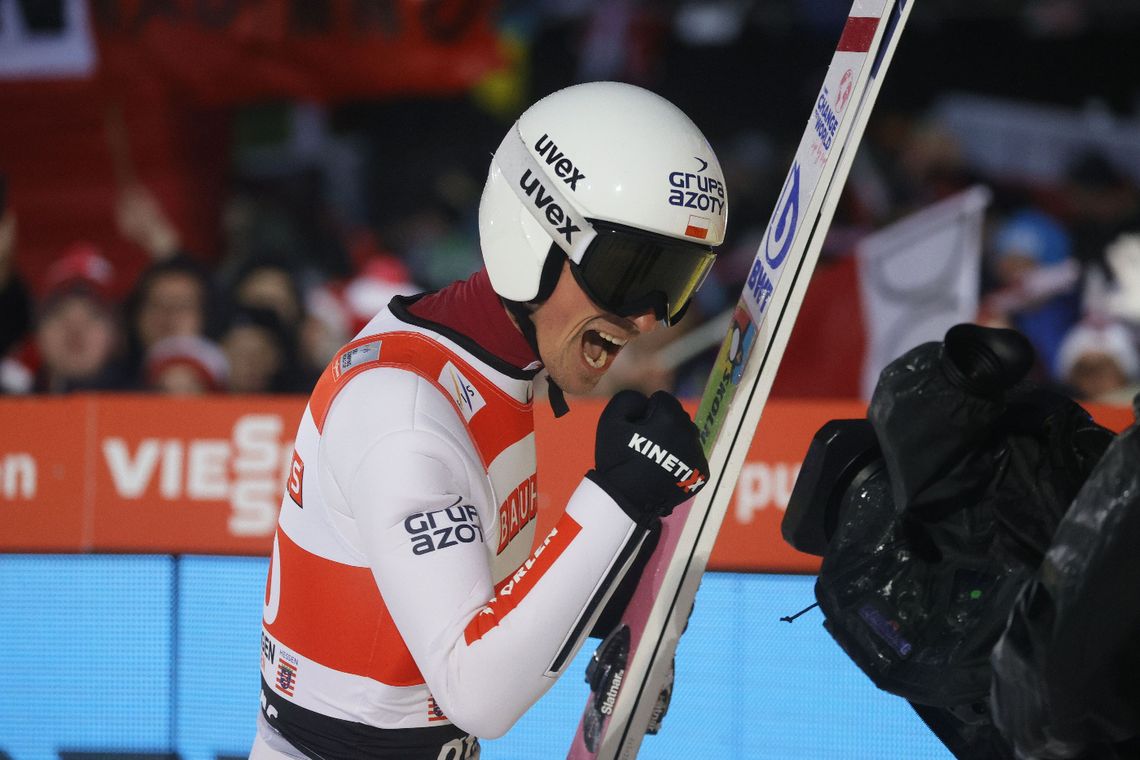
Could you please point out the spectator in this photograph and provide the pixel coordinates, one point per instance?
(142, 220)
(1037, 281)
(1103, 203)
(1099, 361)
(172, 297)
(381, 278)
(260, 354)
(270, 283)
(337, 311)
(15, 302)
(1115, 292)
(186, 365)
(77, 335)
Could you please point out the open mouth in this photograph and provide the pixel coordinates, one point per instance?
(599, 347)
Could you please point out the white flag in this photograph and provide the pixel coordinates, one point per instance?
(64, 48)
(919, 277)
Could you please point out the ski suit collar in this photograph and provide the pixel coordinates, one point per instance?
(470, 313)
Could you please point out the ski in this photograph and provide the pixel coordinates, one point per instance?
(630, 674)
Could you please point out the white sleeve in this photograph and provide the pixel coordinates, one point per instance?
(486, 655)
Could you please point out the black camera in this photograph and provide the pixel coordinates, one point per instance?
(933, 513)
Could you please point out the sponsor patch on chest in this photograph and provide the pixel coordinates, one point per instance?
(354, 357)
(465, 395)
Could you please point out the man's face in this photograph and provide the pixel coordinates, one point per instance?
(578, 339)
(76, 337)
(254, 359)
(1095, 374)
(270, 288)
(172, 306)
(180, 380)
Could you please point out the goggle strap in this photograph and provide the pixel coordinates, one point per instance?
(539, 194)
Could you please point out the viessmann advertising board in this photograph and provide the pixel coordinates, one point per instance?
(207, 476)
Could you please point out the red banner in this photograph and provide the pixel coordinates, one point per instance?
(102, 94)
(148, 474)
(221, 53)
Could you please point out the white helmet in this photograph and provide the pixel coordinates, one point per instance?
(622, 182)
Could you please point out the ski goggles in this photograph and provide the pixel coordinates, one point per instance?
(628, 271)
(624, 270)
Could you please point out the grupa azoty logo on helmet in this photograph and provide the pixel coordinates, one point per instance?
(700, 192)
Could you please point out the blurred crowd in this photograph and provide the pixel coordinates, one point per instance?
(1064, 271)
(181, 327)
(1060, 260)
(1061, 264)
(317, 237)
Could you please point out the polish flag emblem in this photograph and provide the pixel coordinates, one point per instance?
(698, 227)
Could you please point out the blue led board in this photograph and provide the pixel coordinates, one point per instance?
(156, 654)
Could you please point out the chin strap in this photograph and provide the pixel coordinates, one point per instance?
(522, 317)
(557, 397)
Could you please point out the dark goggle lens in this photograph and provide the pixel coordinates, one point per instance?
(630, 272)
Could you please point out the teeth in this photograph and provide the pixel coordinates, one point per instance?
(613, 338)
(599, 362)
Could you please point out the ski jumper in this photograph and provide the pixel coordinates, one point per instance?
(409, 608)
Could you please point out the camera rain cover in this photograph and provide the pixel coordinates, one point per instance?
(935, 540)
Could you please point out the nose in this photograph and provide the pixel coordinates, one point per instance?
(646, 322)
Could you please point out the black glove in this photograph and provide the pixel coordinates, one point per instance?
(648, 455)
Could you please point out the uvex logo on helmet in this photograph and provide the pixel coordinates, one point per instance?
(561, 219)
(542, 200)
(563, 166)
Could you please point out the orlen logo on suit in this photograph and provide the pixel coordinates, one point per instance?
(247, 470)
